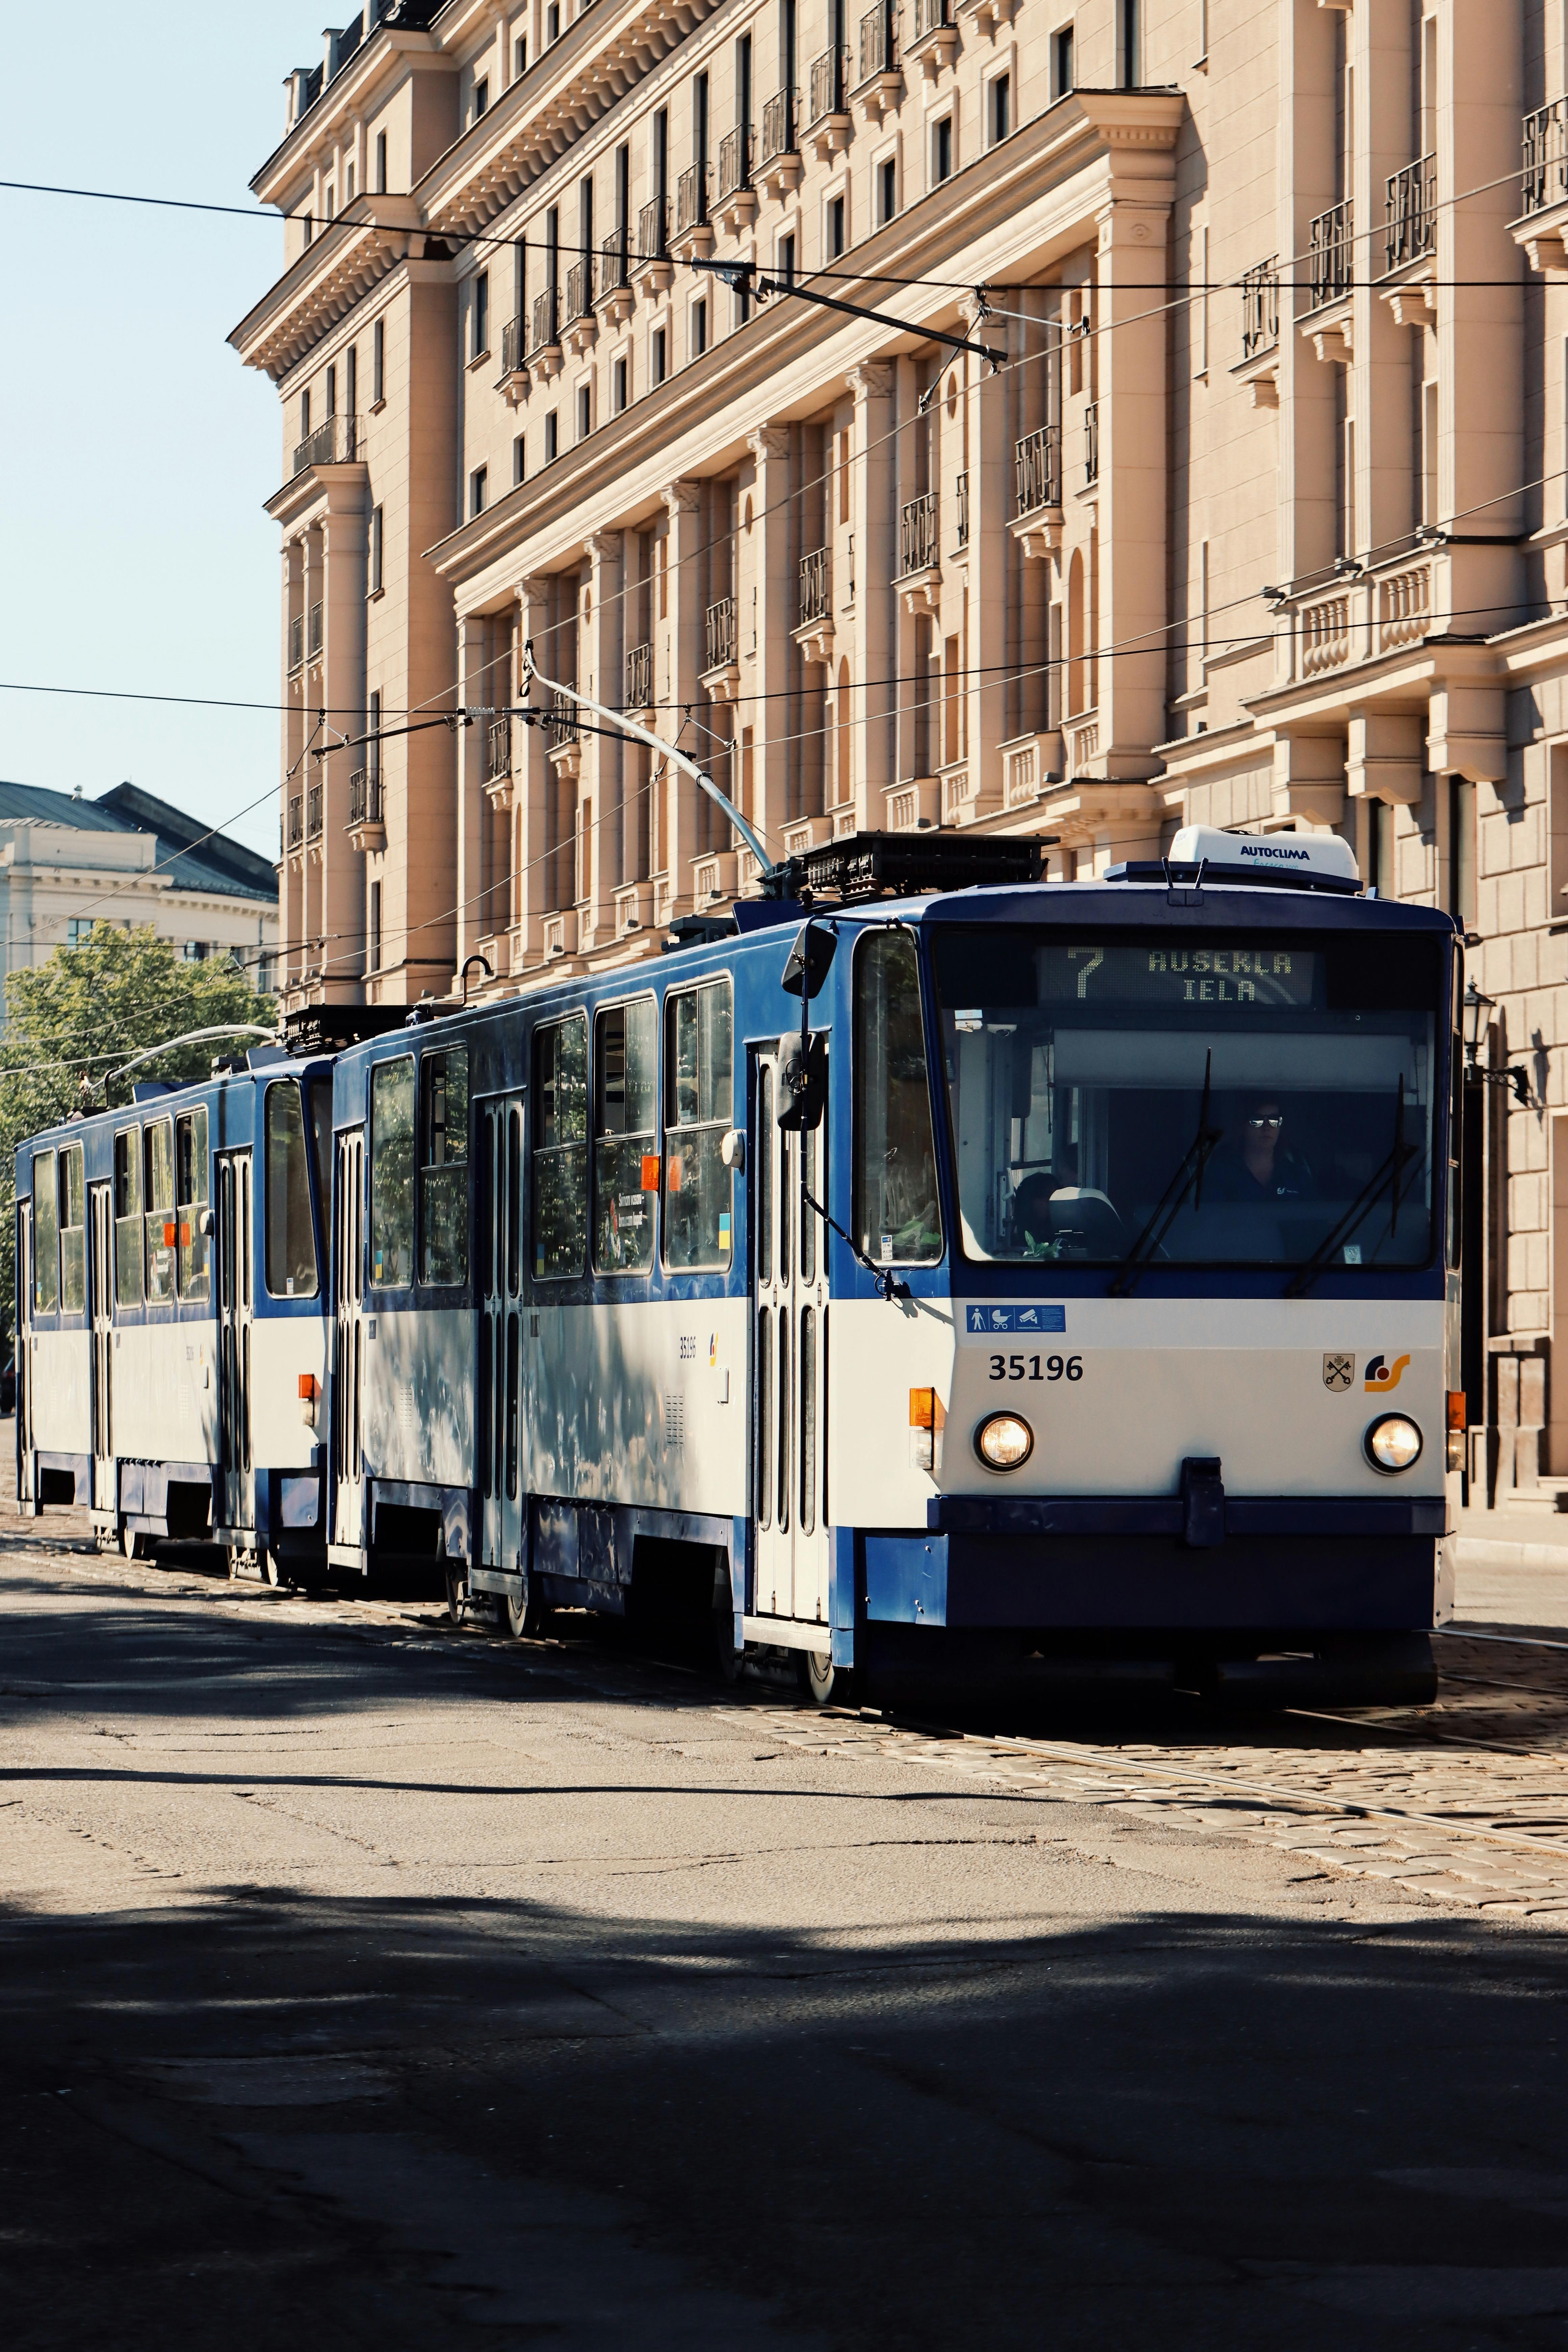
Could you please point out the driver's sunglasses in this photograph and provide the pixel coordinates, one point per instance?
(1257, 1124)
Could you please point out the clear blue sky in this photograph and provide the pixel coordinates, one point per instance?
(133, 551)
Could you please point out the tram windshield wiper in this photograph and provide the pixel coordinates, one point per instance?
(1390, 1173)
(1188, 1178)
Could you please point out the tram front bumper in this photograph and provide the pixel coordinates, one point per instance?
(1297, 1563)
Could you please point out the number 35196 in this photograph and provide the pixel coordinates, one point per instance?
(1037, 1367)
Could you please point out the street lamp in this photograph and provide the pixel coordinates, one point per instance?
(1475, 1009)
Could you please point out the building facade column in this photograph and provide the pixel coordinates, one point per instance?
(988, 650)
(532, 781)
(1130, 330)
(291, 861)
(874, 495)
(474, 920)
(601, 668)
(681, 649)
(342, 903)
(778, 611)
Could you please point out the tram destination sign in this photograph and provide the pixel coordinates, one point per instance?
(1223, 973)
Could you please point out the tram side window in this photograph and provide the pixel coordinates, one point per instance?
(626, 1137)
(45, 1234)
(290, 1241)
(392, 1174)
(158, 1140)
(191, 1165)
(127, 1276)
(699, 1102)
(444, 1167)
(73, 1232)
(321, 1099)
(897, 1219)
(560, 1147)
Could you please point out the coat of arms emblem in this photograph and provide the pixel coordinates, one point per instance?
(1339, 1371)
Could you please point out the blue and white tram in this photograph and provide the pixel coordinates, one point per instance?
(172, 1313)
(1097, 1298)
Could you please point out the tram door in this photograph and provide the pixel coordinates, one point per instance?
(24, 1347)
(235, 1307)
(790, 1359)
(101, 1316)
(348, 1338)
(502, 1473)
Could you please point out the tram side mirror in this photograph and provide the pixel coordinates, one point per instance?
(810, 960)
(802, 1081)
(205, 1221)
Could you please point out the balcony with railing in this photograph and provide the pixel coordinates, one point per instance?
(1260, 307)
(918, 541)
(816, 586)
(721, 634)
(336, 441)
(779, 165)
(498, 750)
(296, 643)
(562, 725)
(614, 263)
(296, 821)
(827, 120)
(692, 229)
(935, 41)
(878, 46)
(653, 242)
(364, 799)
(1331, 255)
(545, 335)
(1091, 444)
(639, 678)
(1545, 173)
(513, 380)
(736, 150)
(313, 813)
(1412, 228)
(579, 291)
(1037, 471)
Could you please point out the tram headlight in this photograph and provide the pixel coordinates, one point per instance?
(1394, 1442)
(1005, 1441)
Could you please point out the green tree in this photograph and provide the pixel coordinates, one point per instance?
(72, 1019)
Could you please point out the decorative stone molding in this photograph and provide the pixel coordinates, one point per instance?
(604, 546)
(815, 639)
(1039, 535)
(827, 137)
(682, 498)
(873, 380)
(768, 441)
(877, 97)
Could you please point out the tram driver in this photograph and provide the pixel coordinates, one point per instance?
(1263, 1167)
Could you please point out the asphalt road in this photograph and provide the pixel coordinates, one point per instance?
(360, 1987)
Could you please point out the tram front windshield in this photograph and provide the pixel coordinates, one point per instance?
(1241, 1101)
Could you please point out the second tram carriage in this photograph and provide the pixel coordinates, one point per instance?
(1097, 1298)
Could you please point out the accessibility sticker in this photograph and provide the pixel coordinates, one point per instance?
(1029, 1314)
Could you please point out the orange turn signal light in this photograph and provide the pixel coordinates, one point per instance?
(925, 1410)
(1456, 1415)
(308, 1385)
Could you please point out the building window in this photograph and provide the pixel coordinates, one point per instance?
(482, 315)
(618, 379)
(519, 466)
(550, 438)
(373, 730)
(309, 228)
(699, 329)
(518, 59)
(372, 960)
(329, 207)
(381, 162)
(376, 541)
(787, 260)
(349, 190)
(942, 151)
(477, 481)
(656, 357)
(78, 931)
(835, 228)
(1129, 44)
(481, 97)
(351, 378)
(552, 21)
(1061, 62)
(1001, 108)
(378, 361)
(304, 417)
(332, 392)
(886, 189)
(584, 411)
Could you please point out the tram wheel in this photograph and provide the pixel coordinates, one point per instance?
(513, 1618)
(135, 1544)
(267, 1561)
(819, 1678)
(456, 1591)
(730, 1661)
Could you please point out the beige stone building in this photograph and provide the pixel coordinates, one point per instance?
(1248, 502)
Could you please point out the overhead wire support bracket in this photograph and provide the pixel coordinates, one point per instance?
(745, 273)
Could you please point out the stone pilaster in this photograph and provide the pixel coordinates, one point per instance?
(476, 920)
(341, 868)
(532, 781)
(874, 492)
(763, 700)
(1131, 327)
(600, 668)
(679, 639)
